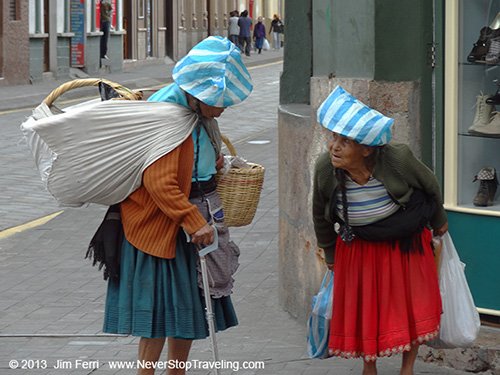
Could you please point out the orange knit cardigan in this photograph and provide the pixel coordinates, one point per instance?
(153, 214)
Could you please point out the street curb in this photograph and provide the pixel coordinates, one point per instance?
(483, 357)
(477, 359)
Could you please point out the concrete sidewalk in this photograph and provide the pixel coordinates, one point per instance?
(52, 299)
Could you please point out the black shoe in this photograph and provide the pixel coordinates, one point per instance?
(482, 45)
(487, 188)
(495, 99)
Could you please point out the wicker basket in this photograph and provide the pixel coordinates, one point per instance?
(240, 190)
(124, 92)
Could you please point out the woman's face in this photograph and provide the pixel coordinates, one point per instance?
(206, 110)
(346, 153)
(210, 112)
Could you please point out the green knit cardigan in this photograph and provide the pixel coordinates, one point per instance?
(396, 167)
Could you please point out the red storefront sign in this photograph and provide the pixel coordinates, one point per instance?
(250, 9)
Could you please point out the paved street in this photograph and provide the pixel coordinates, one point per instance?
(51, 299)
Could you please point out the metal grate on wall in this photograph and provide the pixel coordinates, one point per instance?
(13, 10)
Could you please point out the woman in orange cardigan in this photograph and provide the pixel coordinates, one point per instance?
(157, 295)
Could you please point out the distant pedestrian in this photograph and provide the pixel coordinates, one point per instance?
(106, 13)
(259, 34)
(233, 29)
(275, 30)
(245, 23)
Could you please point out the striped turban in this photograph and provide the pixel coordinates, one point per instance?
(214, 73)
(342, 113)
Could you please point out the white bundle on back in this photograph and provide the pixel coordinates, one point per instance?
(97, 152)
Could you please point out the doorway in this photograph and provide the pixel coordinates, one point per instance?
(169, 23)
(46, 25)
(127, 26)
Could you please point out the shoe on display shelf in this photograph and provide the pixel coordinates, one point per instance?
(492, 129)
(493, 55)
(487, 187)
(482, 45)
(495, 99)
(483, 114)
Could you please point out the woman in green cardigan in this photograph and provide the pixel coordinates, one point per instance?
(373, 206)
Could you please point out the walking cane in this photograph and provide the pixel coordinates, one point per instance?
(208, 301)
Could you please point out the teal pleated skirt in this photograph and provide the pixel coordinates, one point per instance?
(158, 297)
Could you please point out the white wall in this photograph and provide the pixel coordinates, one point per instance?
(89, 16)
(33, 16)
(61, 14)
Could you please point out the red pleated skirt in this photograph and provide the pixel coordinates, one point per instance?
(384, 300)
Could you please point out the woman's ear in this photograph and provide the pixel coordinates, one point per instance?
(367, 151)
(193, 103)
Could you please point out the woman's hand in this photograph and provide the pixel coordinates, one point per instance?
(219, 163)
(203, 236)
(442, 230)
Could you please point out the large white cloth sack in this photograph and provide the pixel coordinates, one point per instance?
(97, 152)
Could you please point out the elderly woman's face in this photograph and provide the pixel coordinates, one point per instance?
(346, 153)
(209, 111)
(206, 110)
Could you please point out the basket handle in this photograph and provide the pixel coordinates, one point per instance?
(76, 83)
(229, 145)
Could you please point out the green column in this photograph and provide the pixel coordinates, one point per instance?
(343, 38)
(402, 43)
(297, 65)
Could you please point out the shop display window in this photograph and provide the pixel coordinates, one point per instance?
(472, 133)
(472, 143)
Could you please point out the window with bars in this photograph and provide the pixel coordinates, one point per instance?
(14, 10)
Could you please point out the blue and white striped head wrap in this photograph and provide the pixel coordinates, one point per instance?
(342, 113)
(213, 72)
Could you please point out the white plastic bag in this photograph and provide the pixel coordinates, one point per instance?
(265, 45)
(318, 325)
(460, 320)
(97, 152)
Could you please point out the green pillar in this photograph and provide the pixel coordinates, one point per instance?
(403, 38)
(297, 65)
(343, 38)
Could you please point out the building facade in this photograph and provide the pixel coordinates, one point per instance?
(198, 19)
(14, 42)
(47, 38)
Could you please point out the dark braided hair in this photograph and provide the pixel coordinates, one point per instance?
(346, 232)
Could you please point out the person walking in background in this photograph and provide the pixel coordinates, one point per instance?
(245, 24)
(259, 34)
(386, 297)
(106, 13)
(275, 30)
(157, 295)
(233, 28)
